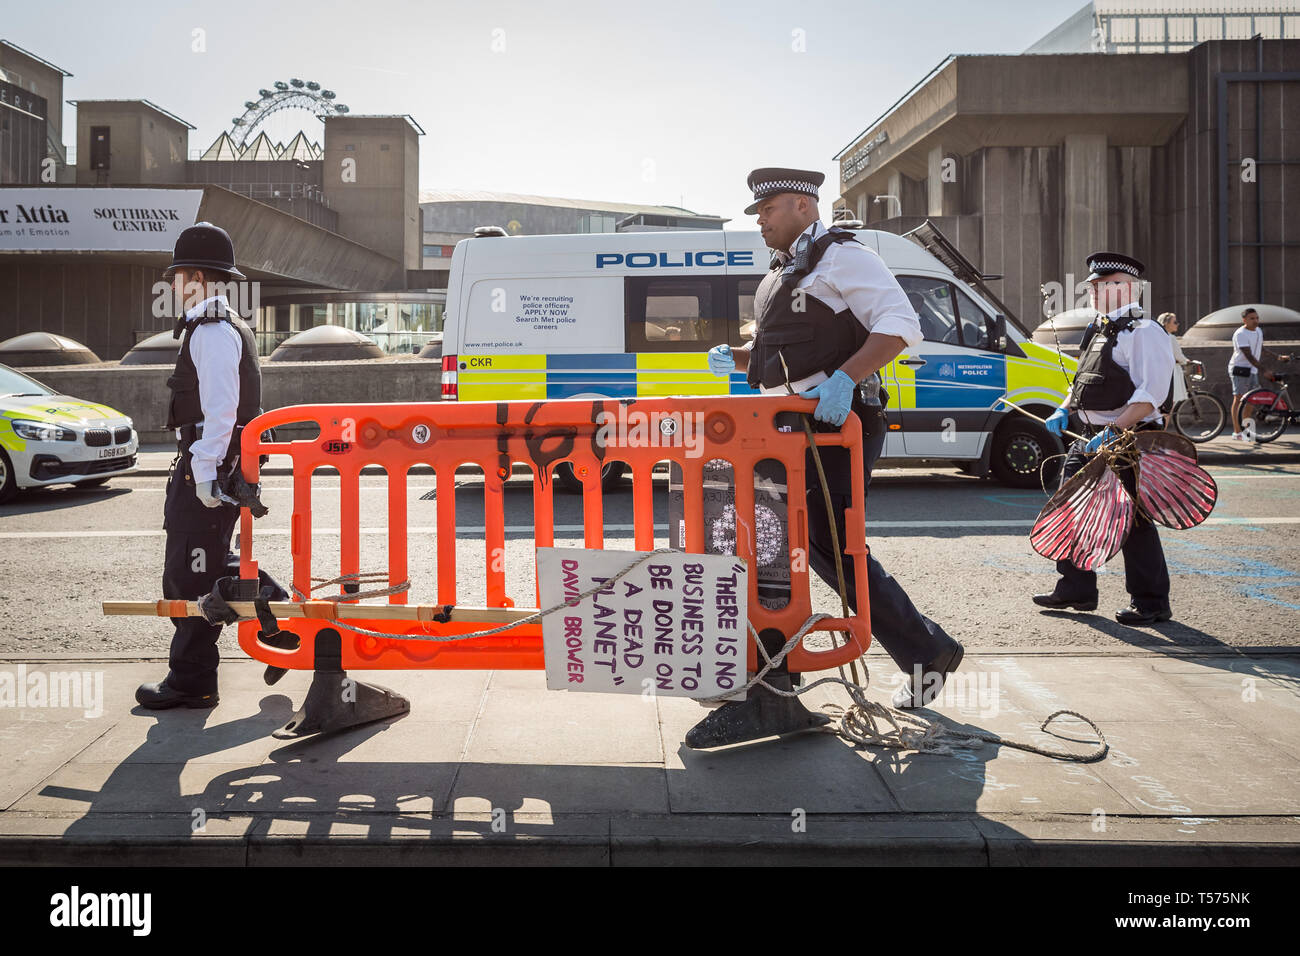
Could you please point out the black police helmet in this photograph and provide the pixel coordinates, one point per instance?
(205, 246)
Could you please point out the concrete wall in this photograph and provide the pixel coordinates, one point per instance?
(100, 304)
(1006, 221)
(275, 243)
(140, 391)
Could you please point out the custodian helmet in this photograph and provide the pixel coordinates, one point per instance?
(204, 246)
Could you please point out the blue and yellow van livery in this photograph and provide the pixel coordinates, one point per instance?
(633, 315)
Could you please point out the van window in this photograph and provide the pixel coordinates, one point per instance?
(976, 324)
(934, 304)
(674, 315)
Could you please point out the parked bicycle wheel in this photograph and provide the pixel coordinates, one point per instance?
(1200, 416)
(1267, 413)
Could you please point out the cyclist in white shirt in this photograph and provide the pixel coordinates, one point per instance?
(1244, 368)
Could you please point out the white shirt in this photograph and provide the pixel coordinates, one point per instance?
(1179, 357)
(1244, 338)
(1143, 351)
(851, 276)
(215, 348)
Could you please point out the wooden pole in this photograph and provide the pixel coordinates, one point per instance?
(1025, 411)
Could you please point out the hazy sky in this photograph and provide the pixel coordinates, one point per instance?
(667, 102)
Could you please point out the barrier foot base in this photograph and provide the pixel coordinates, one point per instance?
(761, 714)
(335, 701)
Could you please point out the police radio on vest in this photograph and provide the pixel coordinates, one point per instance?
(685, 260)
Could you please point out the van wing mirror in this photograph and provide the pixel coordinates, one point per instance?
(1000, 333)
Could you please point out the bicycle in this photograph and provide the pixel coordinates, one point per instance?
(1265, 411)
(1201, 415)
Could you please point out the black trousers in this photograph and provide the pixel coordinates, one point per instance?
(197, 553)
(1145, 574)
(909, 637)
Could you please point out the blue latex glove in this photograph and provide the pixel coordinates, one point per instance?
(721, 361)
(1099, 439)
(1057, 421)
(833, 398)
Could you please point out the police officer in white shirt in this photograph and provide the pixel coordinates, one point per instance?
(1125, 371)
(216, 388)
(834, 312)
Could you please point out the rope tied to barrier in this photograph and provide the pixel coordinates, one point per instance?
(359, 577)
(529, 619)
(858, 722)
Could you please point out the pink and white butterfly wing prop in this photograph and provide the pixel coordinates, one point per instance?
(1172, 488)
(1087, 521)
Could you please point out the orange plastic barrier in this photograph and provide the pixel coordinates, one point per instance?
(494, 436)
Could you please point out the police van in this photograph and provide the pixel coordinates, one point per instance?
(633, 315)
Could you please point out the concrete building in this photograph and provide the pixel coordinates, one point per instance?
(129, 142)
(1188, 160)
(31, 116)
(371, 176)
(450, 215)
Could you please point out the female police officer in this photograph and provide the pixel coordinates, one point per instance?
(215, 389)
(834, 313)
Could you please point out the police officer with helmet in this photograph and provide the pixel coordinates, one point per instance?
(829, 316)
(216, 388)
(1126, 367)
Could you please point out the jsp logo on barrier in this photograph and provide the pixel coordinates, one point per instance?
(82, 690)
(633, 428)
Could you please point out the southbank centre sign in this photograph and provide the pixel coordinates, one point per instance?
(91, 219)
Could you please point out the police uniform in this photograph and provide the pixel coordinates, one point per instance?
(1124, 359)
(815, 309)
(216, 388)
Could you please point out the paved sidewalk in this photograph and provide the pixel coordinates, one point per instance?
(490, 767)
(156, 459)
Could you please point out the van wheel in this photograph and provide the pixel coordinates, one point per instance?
(8, 484)
(610, 476)
(1020, 447)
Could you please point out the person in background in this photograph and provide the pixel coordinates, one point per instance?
(1169, 322)
(1244, 368)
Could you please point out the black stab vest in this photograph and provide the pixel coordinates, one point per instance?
(185, 408)
(1101, 385)
(813, 339)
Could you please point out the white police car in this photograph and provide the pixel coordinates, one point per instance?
(50, 439)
